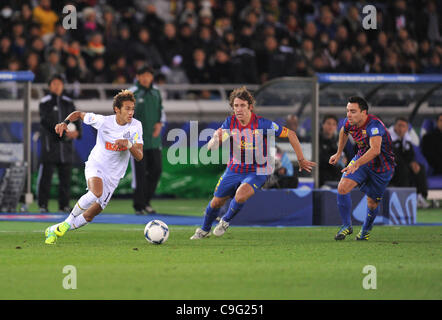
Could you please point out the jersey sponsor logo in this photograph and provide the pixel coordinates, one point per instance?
(113, 147)
(374, 131)
(284, 132)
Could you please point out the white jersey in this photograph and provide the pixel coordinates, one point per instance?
(105, 155)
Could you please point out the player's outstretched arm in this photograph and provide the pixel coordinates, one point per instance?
(218, 138)
(74, 116)
(343, 138)
(304, 164)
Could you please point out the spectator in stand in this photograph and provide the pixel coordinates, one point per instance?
(52, 66)
(170, 45)
(121, 70)
(5, 51)
(176, 75)
(99, 71)
(46, 18)
(199, 71)
(432, 147)
(145, 49)
(110, 26)
(408, 171)
(435, 65)
(33, 64)
(222, 71)
(152, 22)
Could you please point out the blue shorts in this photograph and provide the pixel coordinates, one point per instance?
(230, 181)
(371, 183)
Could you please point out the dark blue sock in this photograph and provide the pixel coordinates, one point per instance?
(369, 219)
(344, 206)
(209, 217)
(234, 208)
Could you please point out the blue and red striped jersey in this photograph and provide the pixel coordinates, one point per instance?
(249, 142)
(373, 126)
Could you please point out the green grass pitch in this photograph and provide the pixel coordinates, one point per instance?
(114, 261)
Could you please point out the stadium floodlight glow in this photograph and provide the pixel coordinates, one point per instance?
(27, 77)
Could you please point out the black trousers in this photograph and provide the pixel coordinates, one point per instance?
(405, 177)
(45, 181)
(147, 174)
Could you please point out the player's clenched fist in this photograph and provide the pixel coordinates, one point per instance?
(60, 128)
(334, 159)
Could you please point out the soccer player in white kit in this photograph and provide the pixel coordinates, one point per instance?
(118, 137)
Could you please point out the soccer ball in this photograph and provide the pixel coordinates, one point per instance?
(156, 232)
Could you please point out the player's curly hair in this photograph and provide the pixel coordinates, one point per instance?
(123, 95)
(243, 94)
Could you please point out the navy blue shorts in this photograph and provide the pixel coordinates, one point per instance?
(230, 181)
(372, 183)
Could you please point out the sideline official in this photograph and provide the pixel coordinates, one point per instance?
(56, 152)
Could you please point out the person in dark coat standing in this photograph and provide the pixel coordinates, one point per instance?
(56, 152)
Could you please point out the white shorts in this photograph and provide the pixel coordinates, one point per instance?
(109, 186)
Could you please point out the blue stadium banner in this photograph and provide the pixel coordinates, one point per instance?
(17, 76)
(398, 206)
(378, 78)
(276, 207)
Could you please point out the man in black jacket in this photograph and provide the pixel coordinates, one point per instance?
(328, 146)
(55, 151)
(432, 146)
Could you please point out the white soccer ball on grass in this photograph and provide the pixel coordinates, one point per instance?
(156, 232)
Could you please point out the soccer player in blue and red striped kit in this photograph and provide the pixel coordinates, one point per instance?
(248, 167)
(371, 168)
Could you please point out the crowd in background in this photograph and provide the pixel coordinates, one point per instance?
(215, 41)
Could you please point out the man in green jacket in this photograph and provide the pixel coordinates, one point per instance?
(149, 110)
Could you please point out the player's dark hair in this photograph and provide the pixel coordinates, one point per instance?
(363, 105)
(123, 95)
(330, 116)
(400, 119)
(144, 68)
(58, 76)
(243, 94)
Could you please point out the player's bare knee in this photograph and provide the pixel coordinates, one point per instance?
(342, 188)
(217, 203)
(97, 193)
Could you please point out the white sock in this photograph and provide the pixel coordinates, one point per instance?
(76, 222)
(83, 204)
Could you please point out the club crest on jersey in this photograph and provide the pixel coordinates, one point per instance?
(126, 135)
(275, 126)
(374, 131)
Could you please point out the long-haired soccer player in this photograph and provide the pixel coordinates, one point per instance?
(371, 168)
(247, 132)
(118, 136)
